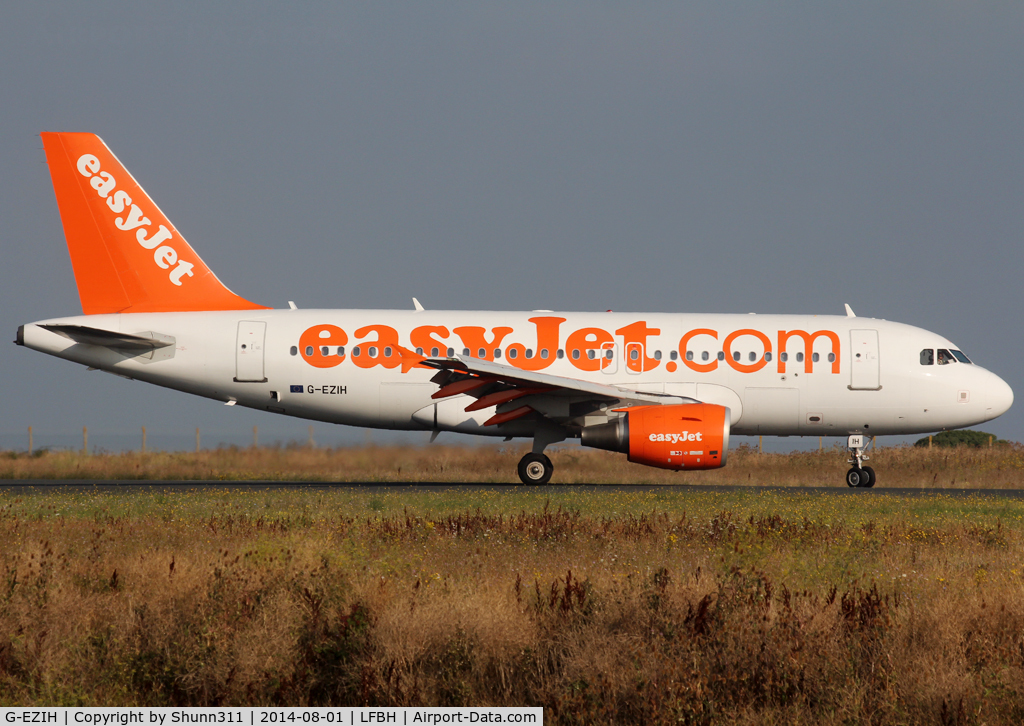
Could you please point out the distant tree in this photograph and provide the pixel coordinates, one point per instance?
(961, 437)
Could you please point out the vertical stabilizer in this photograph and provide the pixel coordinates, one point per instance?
(127, 256)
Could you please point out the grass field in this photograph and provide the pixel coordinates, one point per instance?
(1000, 467)
(672, 606)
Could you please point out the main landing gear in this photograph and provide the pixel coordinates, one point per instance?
(536, 468)
(860, 476)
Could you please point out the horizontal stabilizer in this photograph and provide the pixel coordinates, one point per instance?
(109, 339)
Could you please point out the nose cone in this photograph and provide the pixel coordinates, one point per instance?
(1000, 397)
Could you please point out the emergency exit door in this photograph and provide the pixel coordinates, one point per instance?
(249, 352)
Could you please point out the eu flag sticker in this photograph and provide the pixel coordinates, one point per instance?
(296, 389)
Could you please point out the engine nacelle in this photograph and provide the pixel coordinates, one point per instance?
(683, 436)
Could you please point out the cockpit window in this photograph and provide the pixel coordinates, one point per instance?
(960, 356)
(945, 357)
(927, 357)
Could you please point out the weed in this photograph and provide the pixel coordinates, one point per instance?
(900, 466)
(657, 606)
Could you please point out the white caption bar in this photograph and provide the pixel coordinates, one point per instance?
(432, 716)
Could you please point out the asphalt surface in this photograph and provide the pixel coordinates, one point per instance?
(121, 486)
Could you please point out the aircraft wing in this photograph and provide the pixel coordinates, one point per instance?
(517, 393)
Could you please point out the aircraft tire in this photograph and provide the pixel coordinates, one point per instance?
(853, 478)
(870, 482)
(535, 469)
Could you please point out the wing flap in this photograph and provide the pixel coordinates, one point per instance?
(563, 385)
(517, 393)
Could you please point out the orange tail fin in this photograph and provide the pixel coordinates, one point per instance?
(127, 256)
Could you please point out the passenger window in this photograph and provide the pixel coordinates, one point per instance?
(576, 354)
(752, 356)
(814, 357)
(721, 355)
(704, 355)
(451, 352)
(689, 355)
(434, 352)
(372, 351)
(609, 353)
(657, 355)
(768, 357)
(497, 353)
(295, 350)
(465, 352)
(355, 352)
(799, 357)
(784, 357)
(673, 355)
(560, 354)
(927, 357)
(591, 354)
(831, 357)
(309, 350)
(419, 351)
(945, 357)
(512, 353)
(544, 353)
(736, 355)
(529, 353)
(481, 353)
(341, 350)
(634, 354)
(387, 352)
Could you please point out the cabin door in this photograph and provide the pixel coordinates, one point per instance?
(864, 360)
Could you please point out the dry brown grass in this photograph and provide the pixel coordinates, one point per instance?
(689, 607)
(1001, 467)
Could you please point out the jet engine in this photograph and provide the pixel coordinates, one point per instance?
(682, 436)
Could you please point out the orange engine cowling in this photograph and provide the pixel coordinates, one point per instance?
(682, 436)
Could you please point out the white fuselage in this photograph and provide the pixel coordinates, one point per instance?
(795, 375)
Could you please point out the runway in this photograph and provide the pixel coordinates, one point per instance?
(127, 487)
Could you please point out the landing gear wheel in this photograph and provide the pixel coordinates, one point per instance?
(853, 478)
(871, 477)
(535, 469)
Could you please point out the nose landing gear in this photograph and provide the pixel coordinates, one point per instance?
(860, 476)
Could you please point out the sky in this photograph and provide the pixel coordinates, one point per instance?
(681, 157)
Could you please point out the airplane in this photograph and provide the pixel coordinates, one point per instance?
(667, 390)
